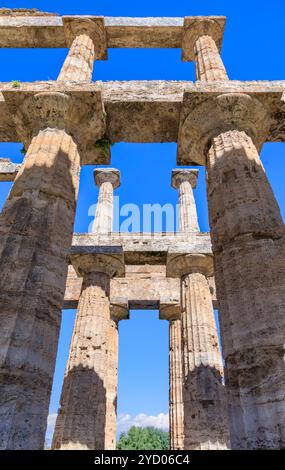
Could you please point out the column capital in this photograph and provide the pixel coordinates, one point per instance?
(200, 123)
(179, 265)
(80, 115)
(178, 176)
(197, 26)
(93, 27)
(107, 175)
(95, 259)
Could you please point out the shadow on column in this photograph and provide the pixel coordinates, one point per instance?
(81, 422)
(36, 227)
(205, 410)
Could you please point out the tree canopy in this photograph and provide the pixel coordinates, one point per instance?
(143, 439)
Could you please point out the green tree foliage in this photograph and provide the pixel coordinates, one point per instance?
(143, 439)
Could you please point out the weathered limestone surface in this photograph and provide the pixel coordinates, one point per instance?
(24, 12)
(8, 169)
(92, 367)
(185, 181)
(204, 397)
(48, 30)
(150, 111)
(78, 65)
(205, 423)
(87, 403)
(218, 123)
(248, 243)
(209, 66)
(176, 406)
(87, 41)
(36, 229)
(144, 287)
(143, 248)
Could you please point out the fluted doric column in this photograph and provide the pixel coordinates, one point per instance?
(87, 415)
(185, 181)
(107, 179)
(36, 228)
(204, 404)
(249, 249)
(209, 65)
(87, 41)
(176, 411)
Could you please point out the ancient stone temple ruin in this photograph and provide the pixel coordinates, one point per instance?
(238, 268)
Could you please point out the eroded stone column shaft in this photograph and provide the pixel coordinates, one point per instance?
(176, 419)
(103, 222)
(88, 401)
(209, 65)
(205, 410)
(249, 250)
(78, 65)
(112, 385)
(36, 227)
(187, 208)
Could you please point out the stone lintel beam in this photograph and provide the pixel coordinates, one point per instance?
(195, 27)
(185, 180)
(148, 111)
(8, 170)
(48, 31)
(80, 115)
(132, 293)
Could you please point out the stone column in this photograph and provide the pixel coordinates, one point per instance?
(205, 406)
(248, 242)
(209, 65)
(247, 234)
(176, 418)
(185, 181)
(205, 412)
(87, 415)
(87, 41)
(107, 179)
(36, 228)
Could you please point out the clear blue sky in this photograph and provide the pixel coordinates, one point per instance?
(253, 49)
